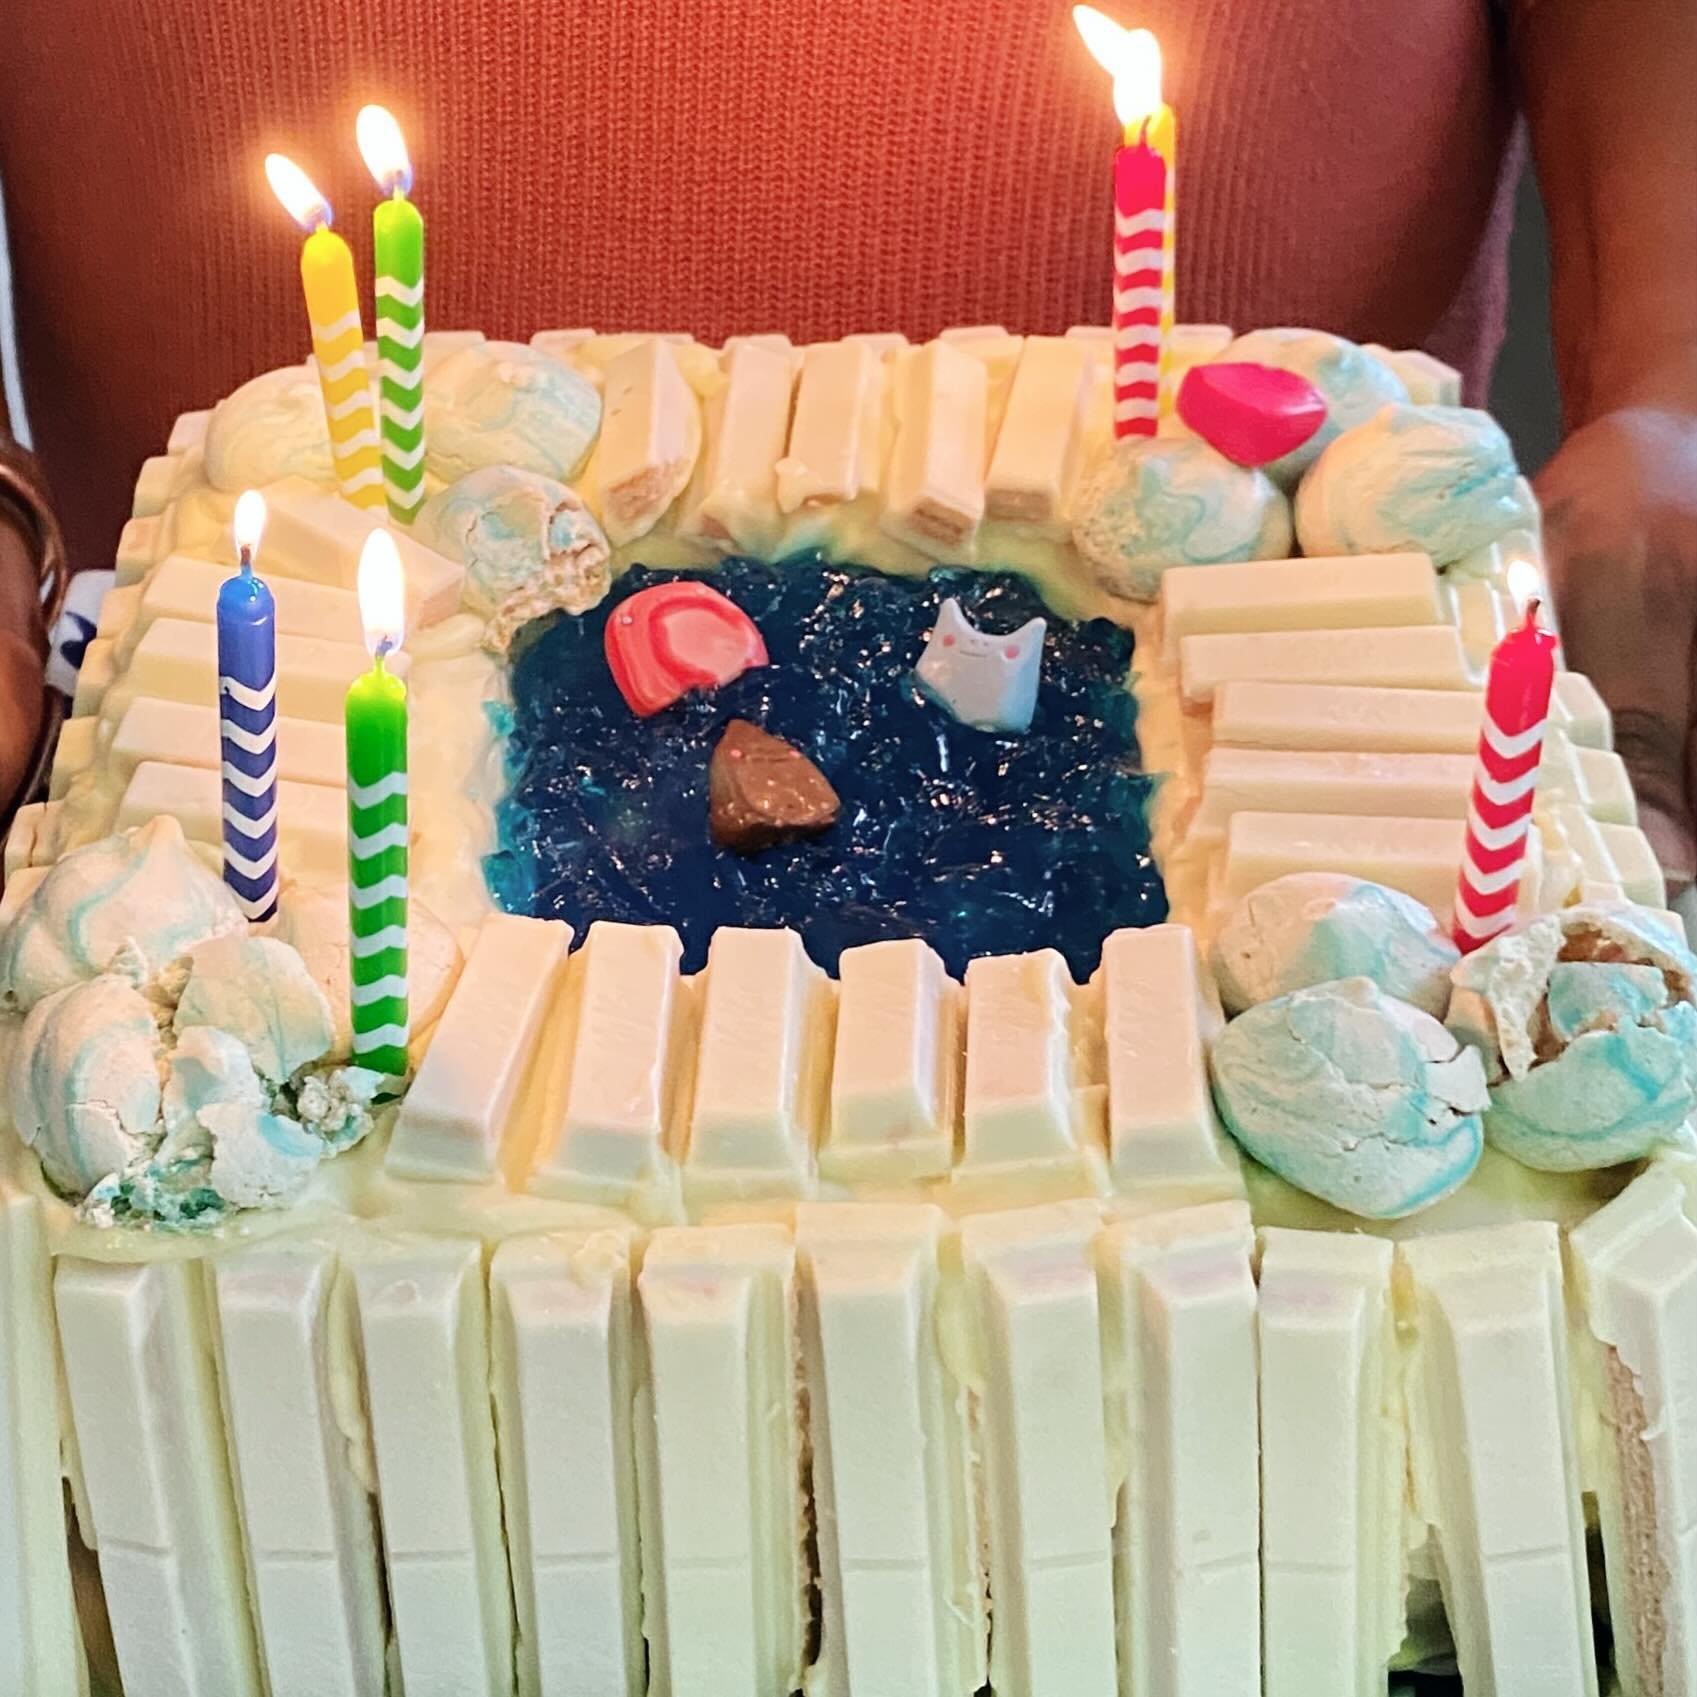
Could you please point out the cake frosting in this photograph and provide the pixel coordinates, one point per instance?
(475, 1360)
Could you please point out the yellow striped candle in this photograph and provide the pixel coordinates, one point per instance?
(338, 337)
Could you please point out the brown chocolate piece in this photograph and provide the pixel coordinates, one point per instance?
(762, 791)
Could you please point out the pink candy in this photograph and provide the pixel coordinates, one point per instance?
(1253, 414)
(674, 637)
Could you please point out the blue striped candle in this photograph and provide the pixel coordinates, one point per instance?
(247, 720)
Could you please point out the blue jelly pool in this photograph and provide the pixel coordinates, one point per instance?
(979, 843)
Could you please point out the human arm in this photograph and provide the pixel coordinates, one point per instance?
(1608, 94)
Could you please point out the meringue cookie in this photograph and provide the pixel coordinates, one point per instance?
(1308, 927)
(504, 403)
(259, 990)
(206, 1067)
(130, 903)
(529, 546)
(1587, 1022)
(85, 1091)
(270, 428)
(314, 922)
(1355, 385)
(1432, 480)
(1154, 502)
(259, 1159)
(1352, 1096)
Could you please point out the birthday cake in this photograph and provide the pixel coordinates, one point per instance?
(939, 1133)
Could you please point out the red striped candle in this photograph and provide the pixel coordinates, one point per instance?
(1505, 782)
(1140, 285)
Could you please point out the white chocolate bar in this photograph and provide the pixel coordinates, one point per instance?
(312, 819)
(561, 344)
(44, 841)
(144, 1395)
(21, 838)
(444, 344)
(1265, 780)
(156, 483)
(733, 503)
(463, 1105)
(118, 608)
(1581, 711)
(1347, 716)
(1482, 613)
(1636, 868)
(188, 432)
(999, 354)
(1420, 857)
(901, 1593)
(1160, 1011)
(563, 1348)
(1180, 1319)
(934, 494)
(1635, 1263)
(309, 751)
(895, 1082)
(1377, 590)
(1039, 1418)
(1493, 1460)
(760, 1085)
(424, 1336)
(886, 344)
(75, 752)
(629, 1020)
(1605, 786)
(313, 534)
(1019, 1107)
(183, 588)
(306, 1517)
(773, 341)
(1333, 1455)
(723, 1568)
(97, 673)
(650, 437)
(836, 445)
(1399, 657)
(1039, 447)
(138, 548)
(177, 660)
(40, 1647)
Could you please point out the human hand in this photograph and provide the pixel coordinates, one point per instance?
(1620, 516)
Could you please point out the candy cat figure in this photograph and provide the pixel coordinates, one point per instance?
(988, 682)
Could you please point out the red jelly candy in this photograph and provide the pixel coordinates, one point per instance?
(674, 637)
(1253, 414)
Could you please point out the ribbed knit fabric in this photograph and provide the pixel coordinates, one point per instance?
(815, 166)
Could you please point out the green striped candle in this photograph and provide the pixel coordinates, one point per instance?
(398, 244)
(377, 822)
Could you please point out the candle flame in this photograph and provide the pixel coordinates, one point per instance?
(1131, 56)
(1525, 581)
(299, 195)
(249, 524)
(382, 593)
(384, 149)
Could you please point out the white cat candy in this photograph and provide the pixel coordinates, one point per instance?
(988, 682)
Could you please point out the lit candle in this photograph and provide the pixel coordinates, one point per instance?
(247, 720)
(338, 338)
(1145, 172)
(377, 820)
(398, 246)
(1505, 782)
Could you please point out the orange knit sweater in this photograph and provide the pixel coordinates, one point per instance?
(815, 166)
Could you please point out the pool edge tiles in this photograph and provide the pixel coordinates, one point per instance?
(973, 841)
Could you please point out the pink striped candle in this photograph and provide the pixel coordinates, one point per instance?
(1505, 782)
(1140, 285)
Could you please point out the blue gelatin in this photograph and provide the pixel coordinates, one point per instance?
(979, 843)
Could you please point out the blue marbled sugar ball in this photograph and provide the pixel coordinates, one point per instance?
(505, 403)
(977, 842)
(1153, 502)
(1435, 480)
(1354, 382)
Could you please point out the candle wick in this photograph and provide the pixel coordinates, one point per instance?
(1143, 133)
(1532, 606)
(246, 561)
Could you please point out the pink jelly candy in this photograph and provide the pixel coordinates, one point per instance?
(674, 637)
(1253, 414)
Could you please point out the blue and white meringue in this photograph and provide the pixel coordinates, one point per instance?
(1432, 480)
(85, 1086)
(129, 904)
(258, 990)
(1352, 1096)
(1153, 502)
(270, 428)
(1354, 382)
(528, 543)
(1587, 1023)
(1309, 927)
(505, 403)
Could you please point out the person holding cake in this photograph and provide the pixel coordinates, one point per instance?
(1358, 179)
